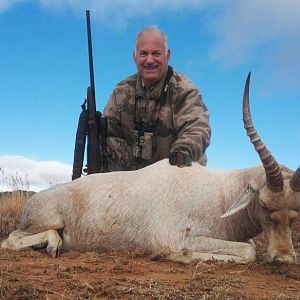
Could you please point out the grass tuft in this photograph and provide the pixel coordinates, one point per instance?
(12, 201)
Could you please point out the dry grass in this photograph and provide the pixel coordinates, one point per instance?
(11, 205)
(12, 201)
(126, 275)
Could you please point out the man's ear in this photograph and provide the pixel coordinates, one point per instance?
(169, 55)
(133, 56)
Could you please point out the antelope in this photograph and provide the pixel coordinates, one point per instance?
(178, 214)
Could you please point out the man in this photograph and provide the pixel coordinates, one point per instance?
(157, 113)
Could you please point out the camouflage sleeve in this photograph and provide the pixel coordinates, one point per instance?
(191, 121)
(113, 114)
(119, 150)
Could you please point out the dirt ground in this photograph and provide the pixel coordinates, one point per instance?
(132, 275)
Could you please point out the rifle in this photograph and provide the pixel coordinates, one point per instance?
(92, 126)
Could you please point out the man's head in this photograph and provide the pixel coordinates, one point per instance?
(151, 55)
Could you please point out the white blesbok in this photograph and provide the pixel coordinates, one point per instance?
(172, 213)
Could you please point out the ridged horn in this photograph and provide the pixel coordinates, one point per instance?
(272, 169)
(295, 181)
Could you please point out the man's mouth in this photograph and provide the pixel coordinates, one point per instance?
(150, 67)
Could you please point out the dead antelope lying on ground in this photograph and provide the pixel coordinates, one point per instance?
(173, 213)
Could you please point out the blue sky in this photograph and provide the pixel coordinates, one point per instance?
(44, 74)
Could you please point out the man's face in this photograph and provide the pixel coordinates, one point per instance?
(151, 57)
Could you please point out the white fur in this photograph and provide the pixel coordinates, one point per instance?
(158, 207)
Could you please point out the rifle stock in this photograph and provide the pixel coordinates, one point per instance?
(80, 141)
(93, 142)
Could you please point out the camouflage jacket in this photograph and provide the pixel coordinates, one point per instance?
(183, 121)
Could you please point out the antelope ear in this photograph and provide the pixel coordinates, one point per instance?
(246, 197)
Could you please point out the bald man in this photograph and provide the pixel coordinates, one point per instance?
(156, 113)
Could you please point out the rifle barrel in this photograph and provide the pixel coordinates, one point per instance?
(89, 35)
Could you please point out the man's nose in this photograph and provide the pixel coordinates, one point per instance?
(149, 58)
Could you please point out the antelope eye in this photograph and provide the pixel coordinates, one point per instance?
(268, 219)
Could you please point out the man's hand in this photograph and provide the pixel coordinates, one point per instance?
(180, 158)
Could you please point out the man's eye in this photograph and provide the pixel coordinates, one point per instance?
(157, 54)
(142, 54)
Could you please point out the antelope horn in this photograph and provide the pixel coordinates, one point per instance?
(295, 181)
(272, 169)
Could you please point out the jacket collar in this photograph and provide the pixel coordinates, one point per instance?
(152, 93)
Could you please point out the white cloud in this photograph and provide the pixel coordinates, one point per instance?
(265, 32)
(7, 4)
(114, 9)
(118, 13)
(30, 174)
(261, 33)
(126, 7)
